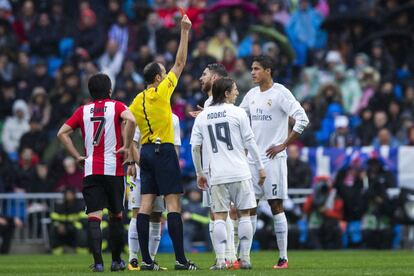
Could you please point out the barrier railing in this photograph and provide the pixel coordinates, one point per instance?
(34, 210)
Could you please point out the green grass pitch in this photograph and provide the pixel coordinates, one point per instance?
(300, 263)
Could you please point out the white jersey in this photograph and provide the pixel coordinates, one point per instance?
(269, 113)
(223, 130)
(204, 152)
(208, 102)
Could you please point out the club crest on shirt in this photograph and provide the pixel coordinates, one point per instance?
(269, 102)
(252, 102)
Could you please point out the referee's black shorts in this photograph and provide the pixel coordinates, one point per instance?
(160, 172)
(104, 191)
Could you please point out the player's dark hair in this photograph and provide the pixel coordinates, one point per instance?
(265, 61)
(220, 87)
(99, 86)
(218, 69)
(151, 70)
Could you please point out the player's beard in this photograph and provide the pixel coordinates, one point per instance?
(207, 87)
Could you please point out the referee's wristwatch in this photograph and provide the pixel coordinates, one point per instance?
(129, 163)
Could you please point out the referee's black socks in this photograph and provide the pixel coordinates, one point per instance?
(116, 237)
(175, 229)
(95, 234)
(143, 236)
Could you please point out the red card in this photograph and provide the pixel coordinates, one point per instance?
(182, 11)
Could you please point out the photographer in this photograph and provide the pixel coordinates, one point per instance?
(377, 220)
(324, 210)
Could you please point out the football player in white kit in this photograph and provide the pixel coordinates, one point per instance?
(134, 203)
(211, 73)
(269, 106)
(224, 131)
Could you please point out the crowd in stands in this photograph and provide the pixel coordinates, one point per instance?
(350, 64)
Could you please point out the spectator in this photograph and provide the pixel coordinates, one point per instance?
(299, 172)
(324, 210)
(349, 182)
(148, 34)
(366, 130)
(111, 61)
(382, 61)
(349, 87)
(25, 21)
(218, 43)
(35, 139)
(26, 173)
(14, 128)
(243, 79)
(44, 37)
(42, 182)
(8, 40)
(7, 68)
(7, 98)
(24, 72)
(410, 136)
(71, 178)
(385, 138)
(39, 106)
(279, 12)
(63, 24)
(369, 79)
(90, 37)
(119, 32)
(383, 97)
(342, 137)
(40, 76)
(380, 121)
(201, 59)
(303, 31)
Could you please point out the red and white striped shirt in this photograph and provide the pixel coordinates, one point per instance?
(100, 123)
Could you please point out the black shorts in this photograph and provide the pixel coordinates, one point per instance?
(104, 191)
(160, 172)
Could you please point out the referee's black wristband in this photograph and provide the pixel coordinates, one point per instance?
(130, 163)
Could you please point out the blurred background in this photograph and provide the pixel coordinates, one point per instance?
(349, 62)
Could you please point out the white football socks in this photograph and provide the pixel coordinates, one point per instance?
(220, 238)
(133, 243)
(246, 237)
(236, 235)
(281, 231)
(211, 232)
(154, 238)
(230, 251)
(253, 219)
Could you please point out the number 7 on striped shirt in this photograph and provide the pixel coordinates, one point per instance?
(98, 134)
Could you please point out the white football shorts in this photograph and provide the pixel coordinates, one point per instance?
(275, 185)
(239, 193)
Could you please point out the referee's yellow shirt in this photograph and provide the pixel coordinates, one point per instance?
(152, 111)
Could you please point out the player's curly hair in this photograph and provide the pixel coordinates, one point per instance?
(220, 87)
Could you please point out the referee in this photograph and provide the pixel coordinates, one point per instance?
(160, 171)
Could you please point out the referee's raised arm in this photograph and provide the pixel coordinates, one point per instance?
(181, 57)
